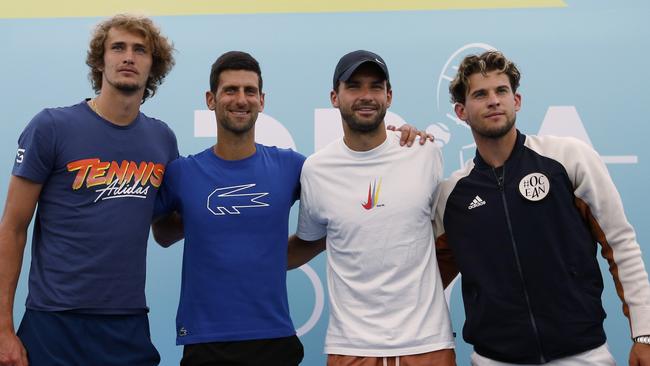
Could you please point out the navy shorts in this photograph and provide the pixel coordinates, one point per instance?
(74, 339)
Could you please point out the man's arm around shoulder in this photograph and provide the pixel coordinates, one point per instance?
(21, 202)
(168, 229)
(302, 251)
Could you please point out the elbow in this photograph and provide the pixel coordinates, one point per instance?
(164, 241)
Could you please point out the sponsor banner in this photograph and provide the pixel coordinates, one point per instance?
(78, 8)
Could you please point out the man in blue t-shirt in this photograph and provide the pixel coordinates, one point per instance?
(234, 198)
(93, 169)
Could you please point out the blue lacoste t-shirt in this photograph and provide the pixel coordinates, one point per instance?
(235, 217)
(93, 215)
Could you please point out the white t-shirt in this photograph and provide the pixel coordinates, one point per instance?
(385, 292)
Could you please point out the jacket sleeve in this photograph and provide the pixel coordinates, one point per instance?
(600, 205)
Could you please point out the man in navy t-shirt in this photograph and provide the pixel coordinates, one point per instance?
(93, 169)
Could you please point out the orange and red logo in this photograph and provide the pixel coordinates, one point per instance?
(119, 180)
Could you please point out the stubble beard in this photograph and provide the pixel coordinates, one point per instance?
(356, 124)
(126, 88)
(238, 128)
(495, 132)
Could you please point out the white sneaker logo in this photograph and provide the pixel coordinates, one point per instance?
(478, 201)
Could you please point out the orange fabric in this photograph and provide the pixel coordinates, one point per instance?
(446, 264)
(444, 357)
(607, 251)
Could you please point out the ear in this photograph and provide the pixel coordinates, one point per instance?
(517, 102)
(334, 98)
(459, 108)
(210, 100)
(389, 97)
(262, 102)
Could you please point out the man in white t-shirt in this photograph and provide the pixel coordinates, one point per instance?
(369, 202)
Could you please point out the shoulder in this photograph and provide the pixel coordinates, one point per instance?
(429, 153)
(448, 185)
(281, 155)
(57, 115)
(331, 151)
(155, 123)
(46, 123)
(556, 145)
(568, 151)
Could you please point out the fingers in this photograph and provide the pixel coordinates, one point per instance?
(410, 133)
(424, 137)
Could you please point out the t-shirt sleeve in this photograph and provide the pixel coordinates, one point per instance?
(438, 170)
(299, 161)
(310, 227)
(173, 145)
(36, 155)
(167, 198)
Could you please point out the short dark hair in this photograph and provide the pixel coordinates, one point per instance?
(234, 60)
(483, 63)
(161, 50)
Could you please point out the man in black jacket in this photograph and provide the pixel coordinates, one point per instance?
(521, 222)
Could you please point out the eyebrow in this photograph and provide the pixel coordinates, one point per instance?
(123, 43)
(240, 86)
(477, 91)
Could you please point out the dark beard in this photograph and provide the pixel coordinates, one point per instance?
(356, 125)
(127, 88)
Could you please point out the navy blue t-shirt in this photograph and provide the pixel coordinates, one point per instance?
(235, 217)
(93, 215)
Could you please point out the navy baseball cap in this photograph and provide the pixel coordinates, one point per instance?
(349, 63)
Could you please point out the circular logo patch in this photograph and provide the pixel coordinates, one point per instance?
(534, 186)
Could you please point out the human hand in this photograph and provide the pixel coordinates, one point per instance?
(12, 351)
(409, 133)
(640, 355)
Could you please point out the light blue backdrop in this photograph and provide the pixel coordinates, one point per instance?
(591, 57)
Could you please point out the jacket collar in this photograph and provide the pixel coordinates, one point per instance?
(514, 154)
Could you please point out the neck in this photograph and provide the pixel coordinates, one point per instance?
(364, 141)
(116, 107)
(495, 152)
(232, 146)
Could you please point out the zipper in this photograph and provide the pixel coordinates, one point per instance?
(500, 186)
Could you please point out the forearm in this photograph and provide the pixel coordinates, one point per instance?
(446, 263)
(168, 229)
(12, 246)
(301, 251)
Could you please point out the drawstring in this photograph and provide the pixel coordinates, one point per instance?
(396, 361)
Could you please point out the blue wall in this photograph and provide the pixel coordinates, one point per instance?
(584, 64)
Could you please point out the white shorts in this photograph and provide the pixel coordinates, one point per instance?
(596, 357)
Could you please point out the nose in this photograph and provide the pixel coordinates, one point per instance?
(240, 98)
(365, 94)
(493, 100)
(128, 57)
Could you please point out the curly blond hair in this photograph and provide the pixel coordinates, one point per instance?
(161, 50)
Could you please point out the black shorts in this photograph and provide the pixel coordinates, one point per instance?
(287, 351)
(73, 339)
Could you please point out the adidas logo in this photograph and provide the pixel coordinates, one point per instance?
(476, 203)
